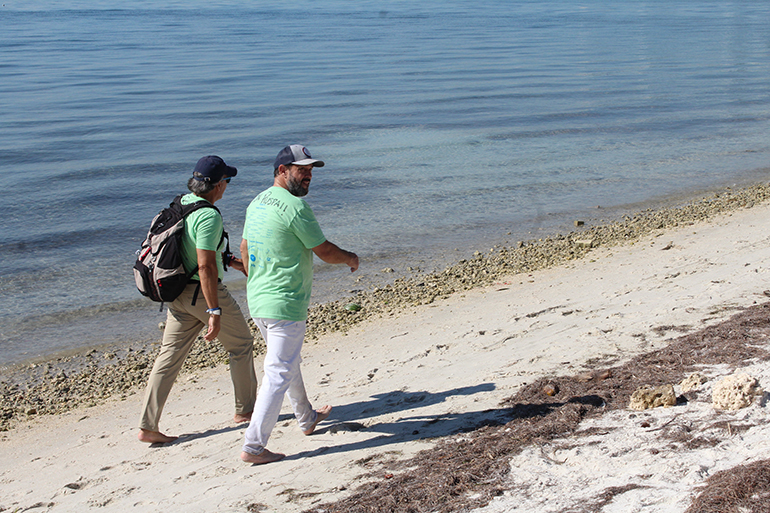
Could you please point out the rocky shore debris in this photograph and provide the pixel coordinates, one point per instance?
(53, 388)
(652, 397)
(735, 392)
(524, 257)
(692, 382)
(550, 389)
(587, 376)
(731, 393)
(90, 379)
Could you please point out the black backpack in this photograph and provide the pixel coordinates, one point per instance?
(158, 270)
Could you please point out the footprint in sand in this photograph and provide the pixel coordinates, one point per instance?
(103, 500)
(346, 427)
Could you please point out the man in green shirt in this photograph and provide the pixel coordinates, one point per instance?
(202, 246)
(280, 237)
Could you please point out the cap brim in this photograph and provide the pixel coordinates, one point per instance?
(308, 162)
(230, 171)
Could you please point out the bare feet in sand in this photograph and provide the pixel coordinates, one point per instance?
(264, 457)
(154, 437)
(323, 413)
(240, 418)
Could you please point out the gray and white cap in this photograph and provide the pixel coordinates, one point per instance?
(298, 155)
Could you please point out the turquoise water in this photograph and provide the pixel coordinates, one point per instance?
(445, 125)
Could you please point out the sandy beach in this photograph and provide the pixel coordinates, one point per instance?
(407, 381)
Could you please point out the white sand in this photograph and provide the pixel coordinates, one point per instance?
(427, 373)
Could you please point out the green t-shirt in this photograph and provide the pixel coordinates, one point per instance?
(203, 230)
(281, 231)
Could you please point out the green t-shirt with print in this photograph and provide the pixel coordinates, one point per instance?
(281, 231)
(203, 230)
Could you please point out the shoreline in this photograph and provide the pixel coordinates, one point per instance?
(130, 317)
(88, 378)
(527, 256)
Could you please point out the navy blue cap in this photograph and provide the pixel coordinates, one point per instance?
(298, 155)
(212, 169)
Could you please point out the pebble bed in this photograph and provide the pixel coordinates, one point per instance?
(65, 383)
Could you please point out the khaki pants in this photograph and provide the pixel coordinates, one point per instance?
(183, 324)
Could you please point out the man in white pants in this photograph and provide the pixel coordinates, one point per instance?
(280, 236)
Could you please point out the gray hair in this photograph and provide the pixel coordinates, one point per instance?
(200, 187)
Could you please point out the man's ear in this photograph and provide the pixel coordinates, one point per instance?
(281, 174)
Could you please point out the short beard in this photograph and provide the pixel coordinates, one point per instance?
(295, 188)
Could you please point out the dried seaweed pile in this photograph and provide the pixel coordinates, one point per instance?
(467, 470)
(738, 490)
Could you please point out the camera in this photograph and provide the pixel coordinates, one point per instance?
(227, 257)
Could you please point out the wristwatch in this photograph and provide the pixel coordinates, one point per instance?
(214, 311)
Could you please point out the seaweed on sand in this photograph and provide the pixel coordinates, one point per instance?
(468, 470)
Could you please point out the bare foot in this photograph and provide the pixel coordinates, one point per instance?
(264, 457)
(154, 437)
(323, 413)
(240, 418)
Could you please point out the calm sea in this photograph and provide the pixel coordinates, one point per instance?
(446, 126)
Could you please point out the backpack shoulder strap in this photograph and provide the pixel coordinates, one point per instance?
(192, 207)
(186, 210)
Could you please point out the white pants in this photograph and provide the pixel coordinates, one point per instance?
(282, 376)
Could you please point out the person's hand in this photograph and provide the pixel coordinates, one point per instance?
(237, 264)
(353, 262)
(215, 322)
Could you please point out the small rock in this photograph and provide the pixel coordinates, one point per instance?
(585, 377)
(550, 389)
(605, 374)
(579, 223)
(591, 375)
(647, 397)
(693, 382)
(735, 392)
